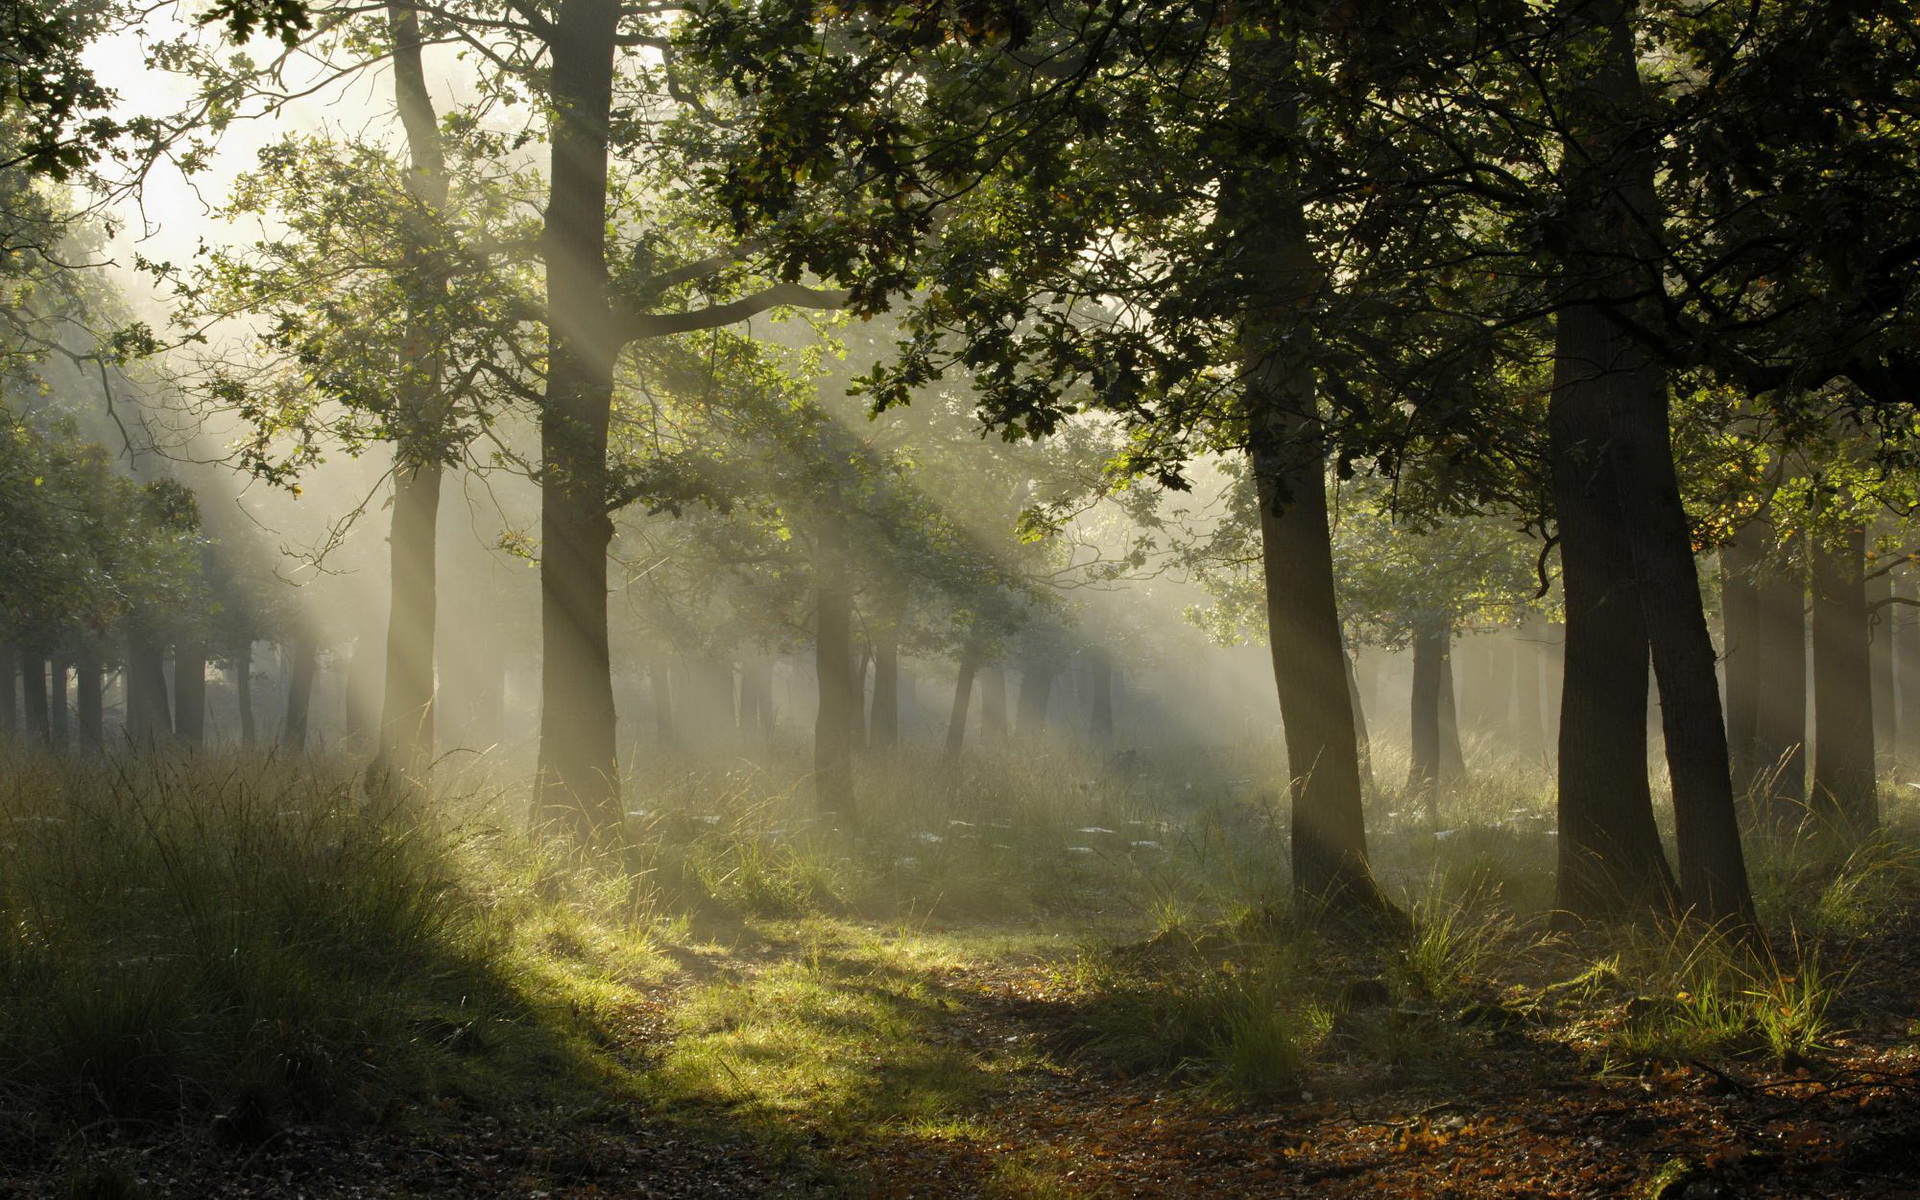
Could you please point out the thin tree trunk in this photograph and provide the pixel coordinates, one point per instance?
(1100, 711)
(833, 659)
(1429, 652)
(1780, 715)
(578, 777)
(405, 749)
(190, 692)
(9, 692)
(1843, 796)
(300, 675)
(1529, 737)
(962, 698)
(1904, 621)
(57, 703)
(862, 667)
(1740, 561)
(88, 702)
(660, 675)
(1453, 757)
(33, 693)
(1036, 697)
(993, 703)
(883, 728)
(1879, 598)
(243, 691)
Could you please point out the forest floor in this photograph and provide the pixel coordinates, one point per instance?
(1122, 1045)
(955, 1064)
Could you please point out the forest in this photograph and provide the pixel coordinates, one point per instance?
(979, 598)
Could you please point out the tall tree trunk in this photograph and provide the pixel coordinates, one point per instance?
(9, 692)
(149, 718)
(1879, 597)
(660, 675)
(883, 728)
(1780, 716)
(301, 670)
(962, 698)
(578, 778)
(406, 742)
(993, 702)
(1529, 738)
(1611, 271)
(57, 703)
(1611, 862)
(89, 708)
(1100, 710)
(1453, 756)
(33, 693)
(243, 691)
(1740, 561)
(833, 660)
(1843, 796)
(1904, 621)
(1036, 697)
(190, 691)
(863, 662)
(1263, 219)
(1429, 652)
(756, 697)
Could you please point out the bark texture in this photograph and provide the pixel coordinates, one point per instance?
(578, 778)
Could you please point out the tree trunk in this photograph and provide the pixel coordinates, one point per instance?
(1740, 561)
(1610, 272)
(404, 751)
(88, 702)
(9, 692)
(190, 692)
(578, 777)
(1780, 715)
(1529, 737)
(1036, 697)
(833, 659)
(1453, 757)
(1611, 861)
(149, 719)
(1842, 797)
(33, 693)
(1429, 652)
(863, 662)
(1264, 221)
(994, 726)
(300, 675)
(883, 729)
(243, 691)
(962, 698)
(57, 703)
(756, 697)
(660, 675)
(1879, 597)
(1100, 710)
(1904, 620)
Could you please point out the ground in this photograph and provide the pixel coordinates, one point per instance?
(284, 991)
(955, 1070)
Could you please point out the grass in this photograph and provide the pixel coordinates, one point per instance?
(233, 944)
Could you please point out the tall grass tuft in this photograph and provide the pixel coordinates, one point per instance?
(195, 935)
